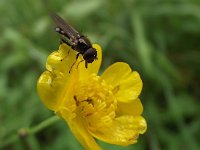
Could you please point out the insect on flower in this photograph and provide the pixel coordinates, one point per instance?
(106, 107)
(75, 40)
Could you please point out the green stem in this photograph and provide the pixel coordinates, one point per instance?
(23, 132)
(43, 125)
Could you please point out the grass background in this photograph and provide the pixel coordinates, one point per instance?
(158, 38)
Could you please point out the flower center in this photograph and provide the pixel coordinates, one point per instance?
(95, 102)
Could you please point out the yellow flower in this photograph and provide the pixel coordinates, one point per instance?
(104, 107)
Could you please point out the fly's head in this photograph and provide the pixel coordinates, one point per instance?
(90, 55)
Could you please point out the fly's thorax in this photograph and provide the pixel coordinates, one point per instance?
(83, 44)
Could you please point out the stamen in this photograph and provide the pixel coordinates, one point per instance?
(95, 102)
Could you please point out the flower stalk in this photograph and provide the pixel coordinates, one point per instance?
(25, 132)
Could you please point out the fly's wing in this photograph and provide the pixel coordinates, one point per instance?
(69, 31)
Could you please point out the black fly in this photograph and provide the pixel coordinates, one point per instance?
(75, 40)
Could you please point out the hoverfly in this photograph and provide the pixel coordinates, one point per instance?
(75, 40)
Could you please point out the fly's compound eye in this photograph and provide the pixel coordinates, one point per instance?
(90, 55)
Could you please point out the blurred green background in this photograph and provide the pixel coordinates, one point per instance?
(158, 38)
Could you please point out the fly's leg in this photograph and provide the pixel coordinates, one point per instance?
(79, 63)
(77, 55)
(62, 40)
(86, 64)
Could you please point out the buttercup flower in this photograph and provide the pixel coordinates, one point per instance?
(103, 107)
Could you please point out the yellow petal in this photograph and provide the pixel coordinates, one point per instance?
(133, 107)
(92, 67)
(123, 131)
(127, 85)
(61, 60)
(53, 83)
(80, 132)
(47, 93)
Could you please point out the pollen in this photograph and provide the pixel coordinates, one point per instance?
(95, 102)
